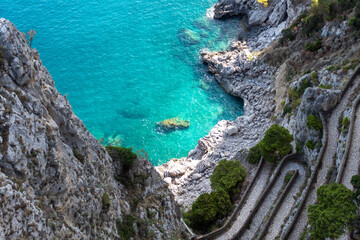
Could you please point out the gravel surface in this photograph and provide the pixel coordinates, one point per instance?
(327, 160)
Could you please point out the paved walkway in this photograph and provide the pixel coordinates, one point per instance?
(256, 190)
(271, 197)
(327, 160)
(353, 161)
(288, 204)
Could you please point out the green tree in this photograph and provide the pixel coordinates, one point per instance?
(203, 213)
(254, 154)
(123, 155)
(314, 122)
(334, 212)
(228, 175)
(355, 181)
(276, 143)
(221, 200)
(125, 227)
(207, 209)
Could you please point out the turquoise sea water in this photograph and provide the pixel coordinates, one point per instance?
(126, 65)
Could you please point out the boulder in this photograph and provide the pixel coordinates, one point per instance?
(231, 130)
(188, 37)
(317, 99)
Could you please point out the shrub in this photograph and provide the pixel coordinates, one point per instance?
(287, 34)
(207, 209)
(105, 201)
(312, 23)
(125, 227)
(288, 177)
(228, 175)
(314, 77)
(287, 109)
(304, 84)
(295, 103)
(254, 154)
(314, 46)
(354, 22)
(346, 122)
(346, 4)
(333, 68)
(293, 94)
(276, 143)
(334, 212)
(355, 181)
(327, 86)
(310, 144)
(123, 155)
(314, 122)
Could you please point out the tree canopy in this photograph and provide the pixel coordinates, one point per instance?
(355, 181)
(123, 155)
(276, 143)
(228, 175)
(334, 212)
(207, 209)
(254, 154)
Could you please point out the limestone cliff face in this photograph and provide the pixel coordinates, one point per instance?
(54, 173)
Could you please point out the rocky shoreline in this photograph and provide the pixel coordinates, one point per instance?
(261, 72)
(240, 73)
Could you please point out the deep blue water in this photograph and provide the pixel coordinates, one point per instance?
(126, 65)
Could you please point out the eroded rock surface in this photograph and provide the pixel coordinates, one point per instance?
(54, 173)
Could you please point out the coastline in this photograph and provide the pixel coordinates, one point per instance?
(241, 74)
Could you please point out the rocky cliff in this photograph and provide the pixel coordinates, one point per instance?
(56, 180)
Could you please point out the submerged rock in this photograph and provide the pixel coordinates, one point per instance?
(188, 36)
(204, 85)
(115, 140)
(173, 124)
(202, 23)
(132, 113)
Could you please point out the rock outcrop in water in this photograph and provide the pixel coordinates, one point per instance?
(172, 124)
(56, 180)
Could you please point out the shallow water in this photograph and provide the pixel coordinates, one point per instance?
(126, 65)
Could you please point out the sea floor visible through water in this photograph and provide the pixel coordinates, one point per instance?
(126, 65)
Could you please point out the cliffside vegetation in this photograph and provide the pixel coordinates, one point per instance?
(336, 210)
(274, 146)
(125, 156)
(209, 209)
